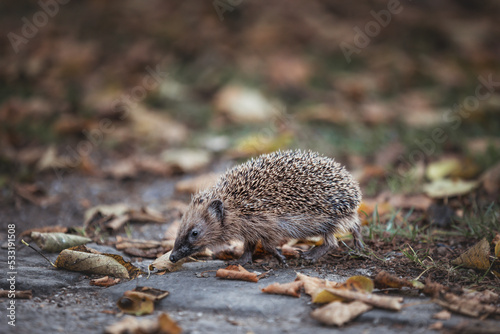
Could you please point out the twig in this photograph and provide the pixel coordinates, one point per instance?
(36, 250)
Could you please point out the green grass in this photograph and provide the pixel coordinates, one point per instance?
(479, 222)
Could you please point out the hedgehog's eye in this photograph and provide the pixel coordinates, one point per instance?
(194, 233)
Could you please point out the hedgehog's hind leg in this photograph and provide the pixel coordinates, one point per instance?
(358, 240)
(329, 242)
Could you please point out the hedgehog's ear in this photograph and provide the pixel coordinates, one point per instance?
(216, 209)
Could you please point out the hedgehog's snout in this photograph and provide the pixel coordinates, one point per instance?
(173, 258)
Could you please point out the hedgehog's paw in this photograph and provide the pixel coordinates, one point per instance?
(314, 254)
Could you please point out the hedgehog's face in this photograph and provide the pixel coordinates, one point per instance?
(200, 227)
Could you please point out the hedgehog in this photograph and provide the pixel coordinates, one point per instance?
(277, 196)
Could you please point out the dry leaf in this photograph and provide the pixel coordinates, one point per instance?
(368, 207)
(390, 303)
(50, 160)
(164, 263)
(491, 180)
(90, 261)
(290, 289)
(131, 325)
(416, 202)
(244, 105)
(237, 272)
(35, 194)
(256, 144)
(449, 188)
(337, 313)
(313, 285)
(355, 283)
(385, 280)
(475, 257)
(122, 169)
(443, 315)
(56, 241)
(18, 294)
(471, 307)
(155, 127)
(438, 325)
(443, 168)
(105, 281)
(46, 229)
(195, 184)
(187, 160)
(141, 300)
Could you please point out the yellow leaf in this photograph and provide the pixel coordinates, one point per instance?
(448, 188)
(323, 297)
(475, 257)
(442, 168)
(359, 283)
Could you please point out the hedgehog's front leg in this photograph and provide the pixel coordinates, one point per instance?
(247, 253)
(270, 248)
(329, 242)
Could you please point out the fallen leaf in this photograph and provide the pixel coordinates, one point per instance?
(141, 300)
(438, 325)
(290, 289)
(18, 294)
(337, 313)
(164, 263)
(50, 160)
(35, 194)
(195, 184)
(83, 259)
(443, 168)
(416, 202)
(385, 280)
(104, 281)
(443, 315)
(256, 144)
(449, 188)
(122, 169)
(313, 285)
(45, 229)
(237, 272)
(154, 127)
(471, 307)
(390, 303)
(135, 304)
(475, 257)
(354, 283)
(131, 325)
(187, 160)
(491, 180)
(244, 105)
(451, 167)
(368, 207)
(56, 241)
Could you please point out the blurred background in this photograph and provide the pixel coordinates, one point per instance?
(136, 90)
